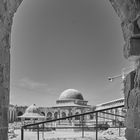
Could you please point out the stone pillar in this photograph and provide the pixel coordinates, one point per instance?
(7, 10)
(129, 13)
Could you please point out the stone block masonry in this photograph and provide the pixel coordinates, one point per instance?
(129, 13)
(7, 10)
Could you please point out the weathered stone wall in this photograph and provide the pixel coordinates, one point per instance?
(7, 10)
(129, 13)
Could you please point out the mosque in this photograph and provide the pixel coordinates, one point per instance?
(70, 102)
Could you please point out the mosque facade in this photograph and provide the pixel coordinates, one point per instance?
(71, 102)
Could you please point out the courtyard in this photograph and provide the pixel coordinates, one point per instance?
(111, 134)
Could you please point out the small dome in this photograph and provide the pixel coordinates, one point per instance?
(32, 112)
(32, 109)
(71, 94)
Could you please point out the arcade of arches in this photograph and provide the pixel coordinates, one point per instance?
(70, 102)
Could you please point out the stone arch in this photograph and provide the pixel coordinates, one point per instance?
(91, 116)
(120, 7)
(55, 115)
(19, 113)
(49, 115)
(43, 113)
(77, 117)
(63, 114)
(7, 11)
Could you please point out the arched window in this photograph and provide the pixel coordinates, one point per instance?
(77, 117)
(55, 115)
(49, 115)
(19, 113)
(63, 114)
(43, 113)
(91, 116)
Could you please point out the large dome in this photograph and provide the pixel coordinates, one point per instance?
(71, 94)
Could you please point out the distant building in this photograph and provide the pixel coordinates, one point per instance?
(71, 102)
(112, 119)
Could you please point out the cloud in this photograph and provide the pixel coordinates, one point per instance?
(33, 86)
(26, 91)
(30, 84)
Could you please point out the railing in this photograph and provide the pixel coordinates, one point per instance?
(42, 126)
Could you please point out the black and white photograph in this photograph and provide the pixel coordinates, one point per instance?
(69, 69)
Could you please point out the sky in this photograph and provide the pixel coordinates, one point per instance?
(62, 44)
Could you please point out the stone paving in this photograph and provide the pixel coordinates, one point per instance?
(59, 135)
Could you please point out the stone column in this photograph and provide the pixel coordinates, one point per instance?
(129, 13)
(7, 10)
